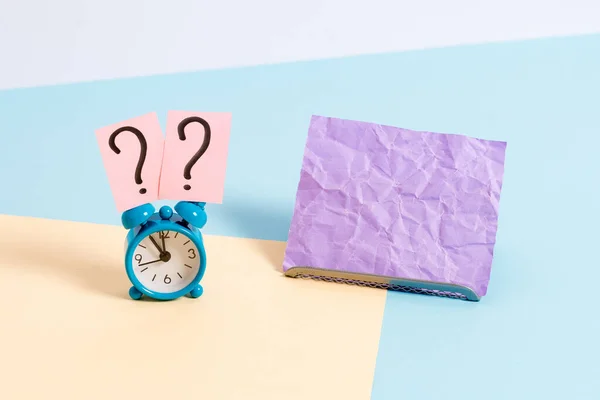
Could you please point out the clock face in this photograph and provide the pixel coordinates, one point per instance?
(166, 261)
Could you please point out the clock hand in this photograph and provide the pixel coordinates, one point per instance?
(149, 262)
(156, 245)
(162, 236)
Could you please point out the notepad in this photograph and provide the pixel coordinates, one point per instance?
(395, 208)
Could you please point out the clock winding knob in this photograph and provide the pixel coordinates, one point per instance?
(165, 212)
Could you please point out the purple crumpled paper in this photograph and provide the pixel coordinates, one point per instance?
(387, 201)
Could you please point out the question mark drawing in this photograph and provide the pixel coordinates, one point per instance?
(181, 131)
(143, 150)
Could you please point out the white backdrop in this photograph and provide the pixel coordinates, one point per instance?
(47, 42)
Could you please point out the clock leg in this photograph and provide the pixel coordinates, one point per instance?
(134, 293)
(196, 292)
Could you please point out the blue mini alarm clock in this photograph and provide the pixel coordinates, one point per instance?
(164, 252)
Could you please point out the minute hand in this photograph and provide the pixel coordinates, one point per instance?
(150, 262)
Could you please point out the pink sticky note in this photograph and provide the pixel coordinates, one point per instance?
(195, 156)
(132, 155)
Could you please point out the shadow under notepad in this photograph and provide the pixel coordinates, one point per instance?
(272, 251)
(263, 223)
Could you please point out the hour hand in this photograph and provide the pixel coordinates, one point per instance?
(162, 237)
(156, 245)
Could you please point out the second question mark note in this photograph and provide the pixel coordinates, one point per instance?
(132, 153)
(195, 156)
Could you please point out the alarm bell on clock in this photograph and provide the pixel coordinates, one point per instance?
(164, 251)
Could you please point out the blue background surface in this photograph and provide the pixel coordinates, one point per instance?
(536, 333)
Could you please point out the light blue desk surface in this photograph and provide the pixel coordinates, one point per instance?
(535, 335)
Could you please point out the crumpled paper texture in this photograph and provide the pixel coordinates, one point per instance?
(388, 201)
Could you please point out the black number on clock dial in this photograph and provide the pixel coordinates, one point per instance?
(138, 258)
(167, 280)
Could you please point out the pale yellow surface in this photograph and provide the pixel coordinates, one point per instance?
(70, 331)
